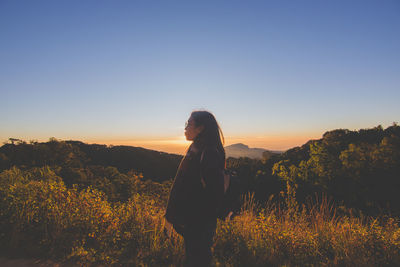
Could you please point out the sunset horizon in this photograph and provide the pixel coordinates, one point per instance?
(179, 144)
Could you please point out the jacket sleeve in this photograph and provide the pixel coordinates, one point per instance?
(212, 174)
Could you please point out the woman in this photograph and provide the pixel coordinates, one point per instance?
(198, 188)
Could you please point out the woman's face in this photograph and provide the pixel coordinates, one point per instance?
(191, 131)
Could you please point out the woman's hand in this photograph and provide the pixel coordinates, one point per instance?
(168, 228)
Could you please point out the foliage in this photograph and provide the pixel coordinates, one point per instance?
(41, 217)
(358, 169)
(75, 154)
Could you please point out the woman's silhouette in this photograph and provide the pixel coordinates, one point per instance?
(198, 188)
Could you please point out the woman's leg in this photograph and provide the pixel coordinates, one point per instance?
(198, 241)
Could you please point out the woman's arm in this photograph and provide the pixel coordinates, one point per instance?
(212, 172)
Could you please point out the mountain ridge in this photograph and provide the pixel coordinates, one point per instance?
(241, 150)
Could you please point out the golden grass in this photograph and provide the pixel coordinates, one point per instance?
(43, 218)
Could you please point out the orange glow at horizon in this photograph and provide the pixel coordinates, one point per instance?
(179, 145)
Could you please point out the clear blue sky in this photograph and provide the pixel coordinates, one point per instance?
(131, 70)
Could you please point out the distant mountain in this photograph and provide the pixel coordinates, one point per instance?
(241, 150)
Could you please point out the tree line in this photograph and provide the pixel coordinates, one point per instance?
(358, 169)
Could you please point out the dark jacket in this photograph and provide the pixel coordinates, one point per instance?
(191, 201)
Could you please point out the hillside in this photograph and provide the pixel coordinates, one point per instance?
(76, 154)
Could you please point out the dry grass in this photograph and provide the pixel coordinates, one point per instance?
(43, 218)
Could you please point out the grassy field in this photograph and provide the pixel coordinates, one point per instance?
(42, 218)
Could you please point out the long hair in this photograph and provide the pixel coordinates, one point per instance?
(212, 134)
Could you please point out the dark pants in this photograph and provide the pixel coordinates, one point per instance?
(198, 241)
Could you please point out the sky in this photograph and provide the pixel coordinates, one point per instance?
(275, 74)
